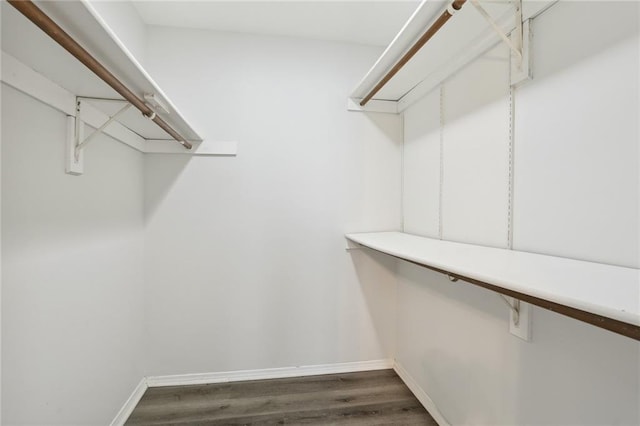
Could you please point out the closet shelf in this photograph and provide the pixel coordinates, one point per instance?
(454, 44)
(48, 59)
(603, 295)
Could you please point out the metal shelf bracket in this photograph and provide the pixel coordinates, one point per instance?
(76, 142)
(515, 309)
(514, 45)
(518, 41)
(519, 317)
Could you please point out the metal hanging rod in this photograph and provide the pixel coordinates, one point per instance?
(433, 29)
(53, 30)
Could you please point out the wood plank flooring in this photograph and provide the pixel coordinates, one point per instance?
(367, 398)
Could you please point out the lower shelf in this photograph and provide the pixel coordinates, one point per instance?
(606, 296)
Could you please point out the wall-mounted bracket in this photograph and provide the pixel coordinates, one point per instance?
(155, 103)
(515, 309)
(76, 142)
(373, 105)
(522, 70)
(352, 246)
(516, 44)
(80, 145)
(75, 130)
(519, 317)
(518, 41)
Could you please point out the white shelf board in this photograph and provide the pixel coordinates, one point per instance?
(462, 39)
(606, 290)
(45, 56)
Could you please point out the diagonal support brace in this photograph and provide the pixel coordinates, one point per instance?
(80, 145)
(76, 142)
(516, 47)
(515, 308)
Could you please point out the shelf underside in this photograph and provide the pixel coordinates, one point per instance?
(603, 295)
(465, 36)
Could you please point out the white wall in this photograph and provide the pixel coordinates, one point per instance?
(575, 194)
(1, 325)
(244, 264)
(475, 152)
(71, 272)
(422, 174)
(245, 258)
(123, 18)
(576, 160)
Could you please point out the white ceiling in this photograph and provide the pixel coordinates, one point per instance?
(357, 21)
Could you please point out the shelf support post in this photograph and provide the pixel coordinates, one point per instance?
(515, 309)
(518, 33)
(521, 66)
(519, 318)
(75, 131)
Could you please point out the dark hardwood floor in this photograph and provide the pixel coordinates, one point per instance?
(368, 398)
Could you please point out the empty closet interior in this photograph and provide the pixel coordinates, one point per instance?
(203, 192)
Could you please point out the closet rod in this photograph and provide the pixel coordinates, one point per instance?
(46, 24)
(439, 23)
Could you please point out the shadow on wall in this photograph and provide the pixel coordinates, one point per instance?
(381, 121)
(595, 35)
(454, 321)
(72, 276)
(157, 190)
(463, 96)
(376, 276)
(454, 339)
(580, 373)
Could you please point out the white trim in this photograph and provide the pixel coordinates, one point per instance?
(30, 82)
(164, 146)
(422, 396)
(24, 79)
(353, 104)
(267, 373)
(130, 403)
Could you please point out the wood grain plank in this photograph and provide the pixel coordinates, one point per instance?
(367, 398)
(274, 404)
(278, 386)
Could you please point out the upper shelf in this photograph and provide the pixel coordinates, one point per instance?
(464, 37)
(604, 295)
(82, 22)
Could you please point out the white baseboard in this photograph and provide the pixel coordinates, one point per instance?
(268, 373)
(421, 395)
(130, 404)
